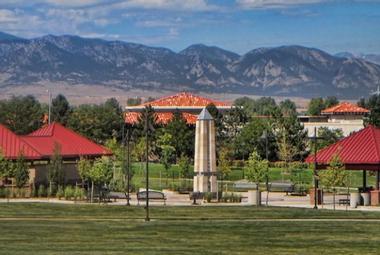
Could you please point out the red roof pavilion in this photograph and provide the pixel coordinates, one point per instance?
(186, 102)
(40, 144)
(359, 151)
(72, 144)
(345, 108)
(11, 146)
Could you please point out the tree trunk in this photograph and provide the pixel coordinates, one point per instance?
(92, 191)
(334, 199)
(257, 195)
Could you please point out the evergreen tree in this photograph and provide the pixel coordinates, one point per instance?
(181, 135)
(21, 114)
(56, 174)
(60, 109)
(316, 105)
(372, 104)
(21, 172)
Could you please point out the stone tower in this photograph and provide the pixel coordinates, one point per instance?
(205, 158)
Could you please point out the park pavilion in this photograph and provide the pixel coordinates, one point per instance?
(39, 146)
(359, 151)
(188, 104)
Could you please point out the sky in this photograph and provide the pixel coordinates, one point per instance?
(235, 25)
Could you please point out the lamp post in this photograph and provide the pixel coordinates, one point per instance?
(315, 139)
(148, 127)
(49, 104)
(265, 136)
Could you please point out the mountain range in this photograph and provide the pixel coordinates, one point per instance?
(282, 71)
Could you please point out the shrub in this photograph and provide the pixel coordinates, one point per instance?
(78, 193)
(42, 191)
(69, 192)
(208, 197)
(21, 192)
(33, 191)
(60, 193)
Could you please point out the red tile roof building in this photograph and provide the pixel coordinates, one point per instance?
(359, 151)
(189, 104)
(345, 108)
(40, 144)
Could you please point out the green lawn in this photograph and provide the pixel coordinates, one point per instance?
(106, 229)
(237, 173)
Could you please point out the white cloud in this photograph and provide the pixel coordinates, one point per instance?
(253, 4)
(180, 5)
(73, 3)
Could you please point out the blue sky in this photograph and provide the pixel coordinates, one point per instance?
(236, 25)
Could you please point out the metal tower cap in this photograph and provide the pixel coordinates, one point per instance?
(205, 115)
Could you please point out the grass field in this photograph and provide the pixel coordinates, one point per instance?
(99, 229)
(275, 174)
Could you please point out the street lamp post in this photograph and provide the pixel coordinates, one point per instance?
(265, 136)
(146, 168)
(316, 184)
(49, 104)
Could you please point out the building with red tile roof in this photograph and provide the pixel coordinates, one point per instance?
(345, 116)
(188, 104)
(345, 108)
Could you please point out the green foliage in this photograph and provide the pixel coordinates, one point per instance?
(42, 192)
(251, 138)
(60, 109)
(185, 166)
(331, 101)
(372, 104)
(84, 167)
(21, 172)
(21, 114)
(79, 193)
(181, 135)
(133, 101)
(316, 105)
(56, 174)
(288, 107)
(334, 175)
(69, 192)
(256, 169)
(167, 150)
(60, 192)
(97, 122)
(6, 167)
(224, 162)
(101, 171)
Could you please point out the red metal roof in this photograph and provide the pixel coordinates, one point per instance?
(345, 107)
(180, 99)
(11, 145)
(72, 144)
(362, 149)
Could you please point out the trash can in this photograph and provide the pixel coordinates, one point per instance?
(366, 196)
(354, 199)
(254, 197)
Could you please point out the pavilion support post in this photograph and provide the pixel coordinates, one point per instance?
(377, 179)
(364, 180)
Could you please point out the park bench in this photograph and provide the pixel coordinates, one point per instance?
(287, 187)
(344, 201)
(117, 195)
(153, 195)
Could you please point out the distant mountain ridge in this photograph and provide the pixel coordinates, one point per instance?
(285, 70)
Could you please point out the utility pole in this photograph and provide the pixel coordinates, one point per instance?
(147, 166)
(128, 167)
(49, 115)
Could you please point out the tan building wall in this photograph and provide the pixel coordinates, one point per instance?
(347, 127)
(39, 173)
